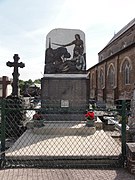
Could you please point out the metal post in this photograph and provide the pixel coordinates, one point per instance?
(123, 131)
(3, 132)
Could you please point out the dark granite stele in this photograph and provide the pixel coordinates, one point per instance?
(64, 96)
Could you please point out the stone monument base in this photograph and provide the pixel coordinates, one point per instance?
(64, 96)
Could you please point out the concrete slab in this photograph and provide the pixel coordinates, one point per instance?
(31, 145)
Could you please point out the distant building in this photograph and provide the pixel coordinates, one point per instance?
(113, 78)
(5, 86)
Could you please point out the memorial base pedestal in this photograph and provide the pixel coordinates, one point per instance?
(64, 96)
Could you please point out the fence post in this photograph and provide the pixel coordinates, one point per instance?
(2, 132)
(123, 131)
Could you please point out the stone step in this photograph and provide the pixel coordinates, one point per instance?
(65, 117)
(66, 129)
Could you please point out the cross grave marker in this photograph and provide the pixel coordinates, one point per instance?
(15, 73)
(4, 81)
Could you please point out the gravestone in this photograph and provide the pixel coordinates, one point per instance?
(64, 87)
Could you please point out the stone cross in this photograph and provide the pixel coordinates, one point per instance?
(15, 73)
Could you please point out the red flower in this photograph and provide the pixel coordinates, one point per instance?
(89, 115)
(37, 116)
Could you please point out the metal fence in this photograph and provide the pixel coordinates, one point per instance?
(46, 134)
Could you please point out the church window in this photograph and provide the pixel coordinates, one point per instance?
(101, 78)
(126, 72)
(111, 76)
(92, 80)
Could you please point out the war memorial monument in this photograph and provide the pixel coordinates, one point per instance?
(64, 140)
(65, 83)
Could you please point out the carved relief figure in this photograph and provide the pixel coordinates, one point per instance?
(57, 60)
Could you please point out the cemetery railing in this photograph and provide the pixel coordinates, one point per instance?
(5, 110)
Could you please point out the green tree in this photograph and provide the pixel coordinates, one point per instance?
(37, 81)
(29, 82)
(25, 84)
(21, 86)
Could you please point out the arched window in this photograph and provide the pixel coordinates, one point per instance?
(92, 80)
(101, 78)
(111, 76)
(126, 68)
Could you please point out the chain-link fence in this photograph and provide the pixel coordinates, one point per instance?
(55, 134)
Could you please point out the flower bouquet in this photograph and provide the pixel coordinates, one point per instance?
(90, 118)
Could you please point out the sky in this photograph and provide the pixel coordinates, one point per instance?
(25, 24)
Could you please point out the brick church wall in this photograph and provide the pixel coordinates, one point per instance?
(114, 55)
